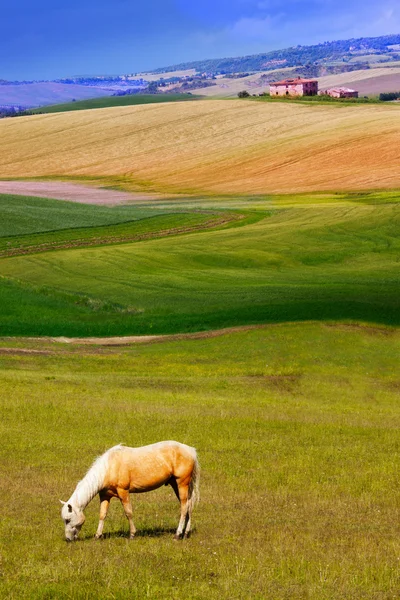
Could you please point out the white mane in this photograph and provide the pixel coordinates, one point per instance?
(93, 481)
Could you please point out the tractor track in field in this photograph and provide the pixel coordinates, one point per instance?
(121, 341)
(215, 221)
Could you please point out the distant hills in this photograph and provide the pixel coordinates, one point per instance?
(31, 94)
(326, 53)
(202, 77)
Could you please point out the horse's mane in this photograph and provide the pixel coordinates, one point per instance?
(93, 481)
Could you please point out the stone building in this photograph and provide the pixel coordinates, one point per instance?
(294, 87)
(341, 92)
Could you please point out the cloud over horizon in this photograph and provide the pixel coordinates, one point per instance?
(57, 39)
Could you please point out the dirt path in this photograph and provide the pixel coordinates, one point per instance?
(74, 192)
(118, 341)
(202, 335)
(148, 339)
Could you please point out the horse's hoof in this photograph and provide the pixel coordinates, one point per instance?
(187, 535)
(98, 537)
(132, 536)
(177, 537)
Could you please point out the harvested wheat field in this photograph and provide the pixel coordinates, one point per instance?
(358, 79)
(211, 146)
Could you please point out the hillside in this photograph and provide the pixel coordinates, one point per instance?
(370, 81)
(321, 257)
(108, 101)
(210, 146)
(46, 92)
(327, 52)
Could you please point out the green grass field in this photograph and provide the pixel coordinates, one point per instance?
(296, 426)
(107, 101)
(30, 225)
(22, 215)
(321, 257)
(295, 421)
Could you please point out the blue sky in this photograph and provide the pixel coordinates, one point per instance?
(47, 39)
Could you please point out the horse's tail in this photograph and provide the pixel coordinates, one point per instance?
(194, 485)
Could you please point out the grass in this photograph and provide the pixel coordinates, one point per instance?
(297, 432)
(324, 257)
(22, 215)
(296, 424)
(145, 228)
(107, 101)
(323, 99)
(211, 147)
(39, 224)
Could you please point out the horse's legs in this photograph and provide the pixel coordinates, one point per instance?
(188, 523)
(123, 495)
(104, 504)
(181, 489)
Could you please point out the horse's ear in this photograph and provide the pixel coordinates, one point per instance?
(69, 508)
(62, 502)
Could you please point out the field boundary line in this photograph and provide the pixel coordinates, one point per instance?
(215, 221)
(199, 335)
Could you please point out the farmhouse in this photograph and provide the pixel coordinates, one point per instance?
(294, 87)
(341, 92)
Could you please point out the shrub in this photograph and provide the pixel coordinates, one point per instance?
(387, 96)
(243, 94)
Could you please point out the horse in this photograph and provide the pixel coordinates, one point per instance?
(122, 470)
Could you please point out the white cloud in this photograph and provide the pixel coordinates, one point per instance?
(252, 27)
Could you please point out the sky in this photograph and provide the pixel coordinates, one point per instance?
(48, 39)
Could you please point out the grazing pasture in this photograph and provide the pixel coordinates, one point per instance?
(296, 428)
(208, 146)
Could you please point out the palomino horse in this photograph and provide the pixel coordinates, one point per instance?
(122, 470)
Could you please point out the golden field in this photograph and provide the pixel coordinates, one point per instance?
(215, 146)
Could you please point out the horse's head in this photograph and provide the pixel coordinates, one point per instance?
(73, 519)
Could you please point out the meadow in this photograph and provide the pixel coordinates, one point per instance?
(21, 215)
(296, 426)
(211, 147)
(325, 257)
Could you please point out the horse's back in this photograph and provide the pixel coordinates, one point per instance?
(148, 467)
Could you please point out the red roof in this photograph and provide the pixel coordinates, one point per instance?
(293, 81)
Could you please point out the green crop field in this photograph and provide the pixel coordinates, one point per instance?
(107, 101)
(297, 430)
(30, 225)
(21, 215)
(321, 257)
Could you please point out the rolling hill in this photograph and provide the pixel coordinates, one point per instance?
(326, 257)
(210, 147)
(46, 92)
(366, 81)
(324, 53)
(109, 101)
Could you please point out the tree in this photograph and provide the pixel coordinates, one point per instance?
(243, 94)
